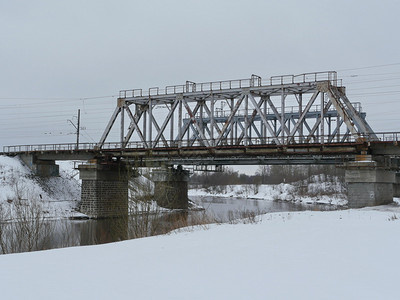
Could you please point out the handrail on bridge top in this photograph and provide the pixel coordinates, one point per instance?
(71, 147)
(254, 81)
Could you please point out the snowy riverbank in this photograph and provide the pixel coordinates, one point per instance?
(58, 196)
(318, 192)
(349, 254)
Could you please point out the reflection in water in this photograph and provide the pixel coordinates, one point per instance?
(91, 232)
(222, 208)
(68, 233)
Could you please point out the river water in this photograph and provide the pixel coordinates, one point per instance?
(67, 233)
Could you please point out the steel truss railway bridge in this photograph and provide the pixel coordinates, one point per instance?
(292, 119)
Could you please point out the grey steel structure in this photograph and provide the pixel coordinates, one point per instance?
(283, 110)
(294, 119)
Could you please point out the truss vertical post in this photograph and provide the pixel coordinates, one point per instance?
(263, 126)
(144, 126)
(201, 117)
(246, 120)
(171, 133)
(150, 110)
(212, 121)
(122, 126)
(338, 123)
(301, 135)
(179, 98)
(283, 115)
(236, 133)
(322, 118)
(329, 127)
(232, 121)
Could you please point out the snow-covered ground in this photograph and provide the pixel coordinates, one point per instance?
(59, 196)
(349, 254)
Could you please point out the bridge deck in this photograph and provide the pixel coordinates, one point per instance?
(252, 154)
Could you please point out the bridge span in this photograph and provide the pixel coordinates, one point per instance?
(385, 144)
(291, 119)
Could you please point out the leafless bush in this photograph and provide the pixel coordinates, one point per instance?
(24, 227)
(23, 223)
(244, 217)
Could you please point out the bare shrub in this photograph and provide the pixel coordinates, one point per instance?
(244, 217)
(24, 227)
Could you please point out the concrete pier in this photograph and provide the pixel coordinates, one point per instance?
(171, 187)
(369, 184)
(396, 186)
(104, 189)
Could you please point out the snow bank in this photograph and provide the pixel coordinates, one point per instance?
(319, 192)
(348, 254)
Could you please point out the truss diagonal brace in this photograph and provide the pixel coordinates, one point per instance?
(251, 120)
(228, 122)
(343, 113)
(109, 126)
(278, 115)
(167, 119)
(361, 123)
(186, 125)
(303, 115)
(136, 126)
(158, 130)
(264, 119)
(319, 121)
(193, 119)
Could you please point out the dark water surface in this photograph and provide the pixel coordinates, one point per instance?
(221, 207)
(67, 233)
(90, 232)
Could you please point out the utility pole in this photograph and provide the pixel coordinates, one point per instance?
(77, 128)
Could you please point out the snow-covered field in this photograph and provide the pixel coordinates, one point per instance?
(348, 254)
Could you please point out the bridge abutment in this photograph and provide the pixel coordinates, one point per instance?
(369, 184)
(171, 188)
(44, 168)
(104, 189)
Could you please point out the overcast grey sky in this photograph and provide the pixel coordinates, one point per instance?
(55, 53)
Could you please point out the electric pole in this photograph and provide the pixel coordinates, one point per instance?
(77, 128)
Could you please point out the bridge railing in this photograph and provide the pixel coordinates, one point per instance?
(330, 76)
(225, 142)
(254, 81)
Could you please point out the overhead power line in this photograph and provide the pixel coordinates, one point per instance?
(369, 67)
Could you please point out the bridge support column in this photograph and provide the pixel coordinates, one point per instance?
(368, 184)
(43, 168)
(396, 186)
(104, 189)
(171, 188)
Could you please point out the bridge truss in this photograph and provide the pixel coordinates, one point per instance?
(309, 108)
